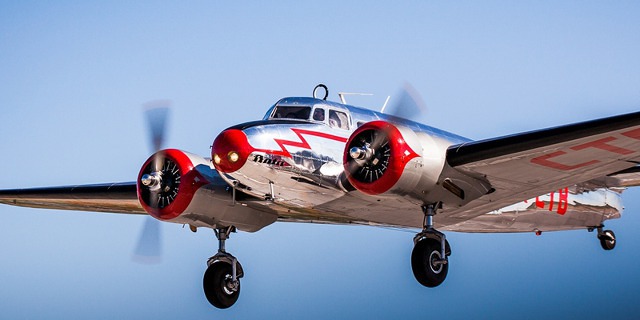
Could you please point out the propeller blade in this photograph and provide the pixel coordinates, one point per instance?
(408, 104)
(148, 249)
(157, 113)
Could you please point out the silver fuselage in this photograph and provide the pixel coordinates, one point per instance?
(297, 164)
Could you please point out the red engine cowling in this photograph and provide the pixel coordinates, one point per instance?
(168, 182)
(381, 157)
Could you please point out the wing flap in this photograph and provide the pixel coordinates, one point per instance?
(621, 179)
(112, 198)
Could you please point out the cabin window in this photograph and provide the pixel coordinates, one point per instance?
(301, 113)
(338, 119)
(318, 114)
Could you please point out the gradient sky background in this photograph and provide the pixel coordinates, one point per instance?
(74, 76)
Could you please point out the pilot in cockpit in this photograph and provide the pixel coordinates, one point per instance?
(318, 114)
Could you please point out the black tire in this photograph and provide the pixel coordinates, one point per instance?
(426, 272)
(608, 240)
(216, 283)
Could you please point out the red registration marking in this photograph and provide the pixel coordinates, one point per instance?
(544, 161)
(563, 201)
(634, 134)
(605, 144)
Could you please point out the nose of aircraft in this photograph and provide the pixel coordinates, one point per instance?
(230, 150)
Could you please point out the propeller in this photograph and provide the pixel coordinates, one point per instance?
(408, 104)
(149, 250)
(369, 155)
(369, 152)
(149, 246)
(157, 113)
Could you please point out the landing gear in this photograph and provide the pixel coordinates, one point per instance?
(221, 281)
(607, 237)
(607, 240)
(429, 260)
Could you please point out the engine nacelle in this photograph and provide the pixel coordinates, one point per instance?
(184, 188)
(168, 182)
(383, 158)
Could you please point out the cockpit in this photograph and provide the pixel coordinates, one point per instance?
(319, 113)
(286, 112)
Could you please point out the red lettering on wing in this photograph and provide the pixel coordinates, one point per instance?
(633, 134)
(603, 145)
(544, 161)
(563, 201)
(539, 203)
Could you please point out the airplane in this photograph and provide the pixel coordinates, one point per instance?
(316, 161)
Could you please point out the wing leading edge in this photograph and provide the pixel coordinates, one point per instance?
(525, 165)
(111, 197)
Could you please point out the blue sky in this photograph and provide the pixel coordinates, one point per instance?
(74, 76)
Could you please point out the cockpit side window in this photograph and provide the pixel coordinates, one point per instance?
(318, 114)
(284, 112)
(338, 119)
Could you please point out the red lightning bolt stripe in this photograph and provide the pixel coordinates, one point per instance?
(300, 144)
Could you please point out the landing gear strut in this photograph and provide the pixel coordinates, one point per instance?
(429, 260)
(607, 237)
(222, 279)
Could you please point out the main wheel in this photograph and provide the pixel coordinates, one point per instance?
(424, 258)
(608, 240)
(219, 287)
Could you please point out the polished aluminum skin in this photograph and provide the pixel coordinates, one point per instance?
(297, 168)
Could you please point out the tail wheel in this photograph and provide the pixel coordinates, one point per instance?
(607, 240)
(219, 288)
(426, 263)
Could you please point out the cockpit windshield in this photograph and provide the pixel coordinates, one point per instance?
(317, 113)
(293, 112)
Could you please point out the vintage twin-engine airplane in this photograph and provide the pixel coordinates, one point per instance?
(312, 160)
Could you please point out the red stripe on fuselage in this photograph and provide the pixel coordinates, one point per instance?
(300, 144)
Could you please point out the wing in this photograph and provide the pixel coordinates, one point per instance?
(621, 179)
(526, 165)
(113, 197)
